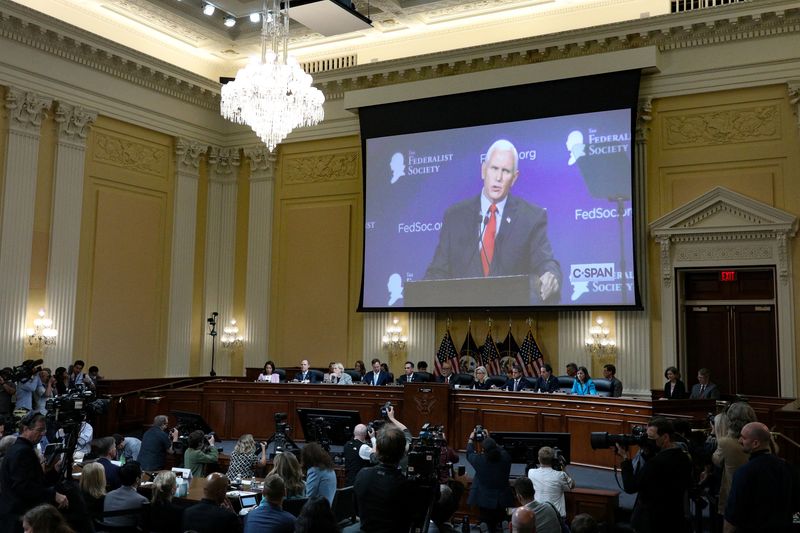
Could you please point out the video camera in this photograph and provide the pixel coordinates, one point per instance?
(320, 429)
(23, 372)
(72, 407)
(603, 439)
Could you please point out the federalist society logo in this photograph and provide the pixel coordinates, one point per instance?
(417, 165)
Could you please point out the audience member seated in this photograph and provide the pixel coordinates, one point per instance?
(583, 384)
(213, 513)
(156, 444)
(320, 477)
(125, 497)
(610, 373)
(383, 495)
(523, 520)
(269, 375)
(269, 515)
(305, 375)
(517, 381)
(377, 376)
(585, 523)
(93, 488)
(356, 453)
(704, 389)
(165, 516)
(481, 379)
(490, 490)
(288, 467)
(200, 452)
(549, 484)
(547, 382)
(316, 517)
(339, 376)
(44, 518)
(244, 458)
(548, 519)
(674, 388)
(107, 449)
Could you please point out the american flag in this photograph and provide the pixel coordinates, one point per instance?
(490, 356)
(470, 349)
(446, 352)
(530, 356)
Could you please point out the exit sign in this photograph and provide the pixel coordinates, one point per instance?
(727, 275)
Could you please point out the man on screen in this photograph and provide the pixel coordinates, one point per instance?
(497, 234)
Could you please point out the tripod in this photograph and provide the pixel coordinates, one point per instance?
(282, 440)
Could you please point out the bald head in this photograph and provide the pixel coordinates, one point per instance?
(755, 437)
(216, 487)
(360, 432)
(523, 520)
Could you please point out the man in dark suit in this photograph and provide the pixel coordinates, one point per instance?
(447, 374)
(517, 381)
(496, 234)
(305, 375)
(107, 450)
(547, 382)
(704, 389)
(610, 373)
(410, 376)
(377, 376)
(490, 490)
(213, 513)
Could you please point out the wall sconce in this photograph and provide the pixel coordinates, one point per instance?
(230, 339)
(599, 342)
(42, 333)
(394, 341)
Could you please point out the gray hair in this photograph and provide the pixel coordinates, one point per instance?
(505, 146)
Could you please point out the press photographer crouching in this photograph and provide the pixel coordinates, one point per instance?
(662, 481)
(490, 489)
(200, 452)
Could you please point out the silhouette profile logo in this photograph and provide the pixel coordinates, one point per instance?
(395, 287)
(398, 166)
(575, 146)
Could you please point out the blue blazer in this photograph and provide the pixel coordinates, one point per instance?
(383, 378)
(587, 388)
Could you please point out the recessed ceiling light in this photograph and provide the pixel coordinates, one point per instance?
(230, 22)
(255, 17)
(208, 9)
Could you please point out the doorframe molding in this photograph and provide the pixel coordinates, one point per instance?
(722, 229)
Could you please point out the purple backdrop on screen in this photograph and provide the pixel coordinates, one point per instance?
(412, 179)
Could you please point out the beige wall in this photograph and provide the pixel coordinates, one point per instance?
(745, 140)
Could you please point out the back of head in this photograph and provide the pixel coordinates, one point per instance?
(159, 421)
(164, 486)
(546, 454)
(288, 468)
(274, 488)
(584, 523)
(93, 480)
(390, 445)
(315, 455)
(523, 520)
(6, 443)
(195, 439)
(46, 518)
(216, 487)
(316, 516)
(523, 486)
(130, 473)
(107, 447)
(491, 450)
(739, 414)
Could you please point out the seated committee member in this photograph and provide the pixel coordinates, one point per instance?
(583, 384)
(269, 375)
(481, 379)
(550, 484)
(447, 374)
(674, 389)
(516, 382)
(547, 382)
(305, 375)
(339, 376)
(610, 373)
(572, 370)
(377, 376)
(497, 234)
(409, 376)
(704, 389)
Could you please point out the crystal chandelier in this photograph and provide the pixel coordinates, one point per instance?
(274, 95)
(42, 333)
(393, 340)
(230, 336)
(599, 342)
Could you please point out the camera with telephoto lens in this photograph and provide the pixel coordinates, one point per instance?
(603, 439)
(480, 433)
(72, 407)
(385, 410)
(24, 372)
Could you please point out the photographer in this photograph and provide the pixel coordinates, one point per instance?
(7, 391)
(200, 452)
(490, 489)
(156, 444)
(26, 387)
(356, 454)
(549, 483)
(662, 482)
(45, 390)
(25, 483)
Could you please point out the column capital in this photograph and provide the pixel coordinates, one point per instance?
(262, 163)
(74, 122)
(187, 155)
(644, 116)
(222, 162)
(26, 110)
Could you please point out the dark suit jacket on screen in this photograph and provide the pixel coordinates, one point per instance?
(521, 246)
(383, 378)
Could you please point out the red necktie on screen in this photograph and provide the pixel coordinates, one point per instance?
(488, 240)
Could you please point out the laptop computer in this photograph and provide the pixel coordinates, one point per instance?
(247, 502)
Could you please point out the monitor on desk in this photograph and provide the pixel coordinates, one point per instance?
(333, 424)
(523, 446)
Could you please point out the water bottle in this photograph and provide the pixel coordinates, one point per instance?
(465, 524)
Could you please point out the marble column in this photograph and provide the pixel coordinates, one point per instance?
(220, 253)
(25, 110)
(259, 256)
(184, 227)
(74, 123)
